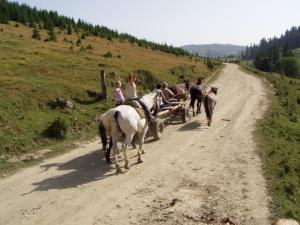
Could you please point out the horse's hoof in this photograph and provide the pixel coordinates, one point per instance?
(127, 167)
(119, 170)
(108, 161)
(140, 160)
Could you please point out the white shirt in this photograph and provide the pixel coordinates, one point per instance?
(130, 91)
(159, 96)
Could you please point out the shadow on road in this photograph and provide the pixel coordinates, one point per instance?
(83, 170)
(195, 125)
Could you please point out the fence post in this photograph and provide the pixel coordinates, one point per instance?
(103, 84)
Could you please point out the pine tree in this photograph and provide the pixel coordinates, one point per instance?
(51, 35)
(4, 13)
(286, 52)
(69, 29)
(36, 34)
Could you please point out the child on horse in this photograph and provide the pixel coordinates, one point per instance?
(118, 93)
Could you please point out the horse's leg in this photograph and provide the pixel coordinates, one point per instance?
(207, 109)
(133, 142)
(192, 104)
(200, 103)
(210, 109)
(142, 139)
(139, 152)
(115, 148)
(128, 141)
(107, 153)
(198, 106)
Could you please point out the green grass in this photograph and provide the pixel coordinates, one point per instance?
(279, 138)
(33, 73)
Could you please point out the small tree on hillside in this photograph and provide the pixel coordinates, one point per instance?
(36, 34)
(51, 35)
(69, 30)
(78, 42)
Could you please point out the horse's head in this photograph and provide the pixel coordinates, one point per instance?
(214, 90)
(149, 99)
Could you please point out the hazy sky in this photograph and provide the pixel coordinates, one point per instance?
(180, 22)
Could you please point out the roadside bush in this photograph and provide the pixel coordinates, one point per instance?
(107, 55)
(58, 129)
(289, 66)
(262, 63)
(89, 46)
(78, 42)
(147, 78)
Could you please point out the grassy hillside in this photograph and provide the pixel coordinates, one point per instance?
(34, 72)
(279, 136)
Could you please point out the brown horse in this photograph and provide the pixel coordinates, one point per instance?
(209, 103)
(196, 93)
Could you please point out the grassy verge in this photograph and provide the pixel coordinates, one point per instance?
(279, 140)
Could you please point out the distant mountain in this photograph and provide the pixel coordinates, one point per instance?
(214, 50)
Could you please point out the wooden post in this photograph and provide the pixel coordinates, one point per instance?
(103, 84)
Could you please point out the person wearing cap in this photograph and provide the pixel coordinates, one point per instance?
(167, 92)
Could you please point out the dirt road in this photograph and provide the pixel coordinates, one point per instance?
(193, 175)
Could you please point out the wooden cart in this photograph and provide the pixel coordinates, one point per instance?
(179, 109)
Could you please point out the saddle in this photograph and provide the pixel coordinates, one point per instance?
(141, 112)
(134, 104)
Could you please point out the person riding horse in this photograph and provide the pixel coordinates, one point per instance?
(131, 95)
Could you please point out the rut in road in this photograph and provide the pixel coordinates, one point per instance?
(193, 175)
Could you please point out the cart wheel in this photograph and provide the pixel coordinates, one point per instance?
(157, 128)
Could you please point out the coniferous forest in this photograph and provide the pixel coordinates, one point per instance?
(275, 54)
(43, 19)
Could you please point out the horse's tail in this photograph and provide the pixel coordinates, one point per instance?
(103, 135)
(116, 115)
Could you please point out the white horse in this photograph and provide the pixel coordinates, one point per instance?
(125, 120)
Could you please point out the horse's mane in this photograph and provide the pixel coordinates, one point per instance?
(149, 99)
